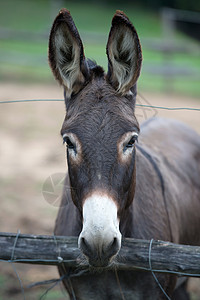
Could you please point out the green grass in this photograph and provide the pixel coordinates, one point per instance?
(24, 47)
(161, 84)
(27, 60)
(24, 15)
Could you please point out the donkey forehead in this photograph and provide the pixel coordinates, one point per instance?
(98, 109)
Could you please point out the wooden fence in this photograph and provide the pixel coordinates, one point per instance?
(157, 256)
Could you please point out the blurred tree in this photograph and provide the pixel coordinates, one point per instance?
(157, 4)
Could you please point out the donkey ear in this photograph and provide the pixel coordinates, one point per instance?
(66, 55)
(124, 54)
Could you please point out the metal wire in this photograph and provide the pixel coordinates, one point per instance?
(13, 266)
(61, 100)
(119, 284)
(31, 100)
(152, 272)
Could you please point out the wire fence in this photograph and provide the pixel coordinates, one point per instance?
(55, 282)
(147, 255)
(61, 100)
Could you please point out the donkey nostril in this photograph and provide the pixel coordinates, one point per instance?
(85, 247)
(113, 248)
(114, 243)
(83, 243)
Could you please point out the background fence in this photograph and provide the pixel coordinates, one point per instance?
(171, 59)
(153, 256)
(156, 256)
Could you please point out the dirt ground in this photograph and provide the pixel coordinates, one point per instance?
(31, 150)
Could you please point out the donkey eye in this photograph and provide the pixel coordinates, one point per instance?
(132, 141)
(68, 142)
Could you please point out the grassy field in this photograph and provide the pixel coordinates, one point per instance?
(26, 59)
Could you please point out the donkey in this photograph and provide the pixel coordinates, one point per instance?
(119, 188)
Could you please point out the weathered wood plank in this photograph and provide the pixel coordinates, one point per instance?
(133, 255)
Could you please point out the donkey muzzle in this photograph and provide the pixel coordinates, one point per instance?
(100, 238)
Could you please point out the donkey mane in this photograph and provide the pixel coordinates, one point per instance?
(97, 71)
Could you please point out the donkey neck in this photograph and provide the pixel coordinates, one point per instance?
(140, 218)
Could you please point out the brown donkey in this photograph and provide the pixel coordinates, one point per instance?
(120, 188)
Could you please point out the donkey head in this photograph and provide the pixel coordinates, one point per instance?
(99, 129)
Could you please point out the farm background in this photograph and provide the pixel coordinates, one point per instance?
(31, 149)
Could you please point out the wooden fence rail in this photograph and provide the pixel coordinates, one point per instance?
(134, 254)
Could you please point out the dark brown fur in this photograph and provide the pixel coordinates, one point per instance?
(157, 191)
